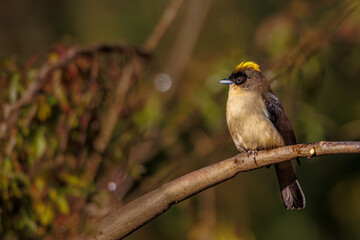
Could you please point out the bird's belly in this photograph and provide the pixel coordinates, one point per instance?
(250, 127)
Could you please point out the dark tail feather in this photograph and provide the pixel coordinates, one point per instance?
(291, 192)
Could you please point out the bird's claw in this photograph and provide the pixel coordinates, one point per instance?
(253, 152)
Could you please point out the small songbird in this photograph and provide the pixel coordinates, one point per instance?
(257, 121)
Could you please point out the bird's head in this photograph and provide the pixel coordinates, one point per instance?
(246, 76)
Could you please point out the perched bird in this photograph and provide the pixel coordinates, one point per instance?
(257, 121)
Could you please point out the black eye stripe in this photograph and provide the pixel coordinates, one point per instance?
(240, 79)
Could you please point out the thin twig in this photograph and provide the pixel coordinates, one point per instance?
(186, 39)
(162, 25)
(112, 114)
(123, 221)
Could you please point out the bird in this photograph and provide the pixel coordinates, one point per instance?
(256, 121)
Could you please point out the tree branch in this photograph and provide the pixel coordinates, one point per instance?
(123, 221)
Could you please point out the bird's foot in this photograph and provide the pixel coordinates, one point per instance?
(254, 153)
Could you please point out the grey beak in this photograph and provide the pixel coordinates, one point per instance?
(225, 81)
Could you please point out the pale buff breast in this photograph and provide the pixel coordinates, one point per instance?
(248, 122)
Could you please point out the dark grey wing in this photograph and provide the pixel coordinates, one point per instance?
(291, 192)
(278, 118)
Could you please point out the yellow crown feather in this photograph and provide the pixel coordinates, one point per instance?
(246, 65)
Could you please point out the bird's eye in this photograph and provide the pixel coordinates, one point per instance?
(240, 79)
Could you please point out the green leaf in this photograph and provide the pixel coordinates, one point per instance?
(40, 142)
(45, 213)
(13, 89)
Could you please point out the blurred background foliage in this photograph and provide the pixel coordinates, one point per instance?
(64, 165)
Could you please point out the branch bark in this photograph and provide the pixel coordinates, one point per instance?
(123, 221)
